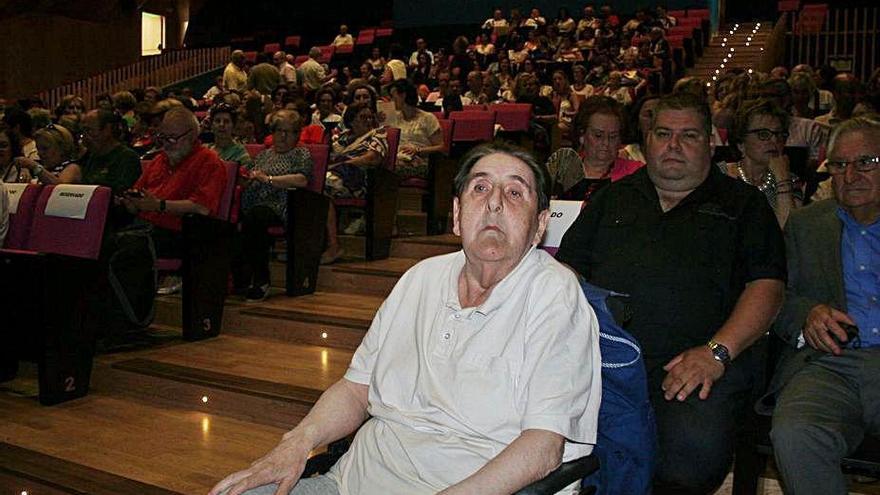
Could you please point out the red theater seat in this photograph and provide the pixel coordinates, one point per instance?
(22, 203)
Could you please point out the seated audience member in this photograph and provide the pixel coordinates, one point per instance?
(565, 102)
(535, 21)
(185, 178)
(826, 402)
(420, 132)
(344, 37)
(614, 89)
(564, 22)
(454, 101)
(599, 127)
(4, 213)
(848, 92)
(801, 132)
(223, 120)
(9, 151)
(152, 94)
(234, 75)
(421, 47)
(325, 114)
(640, 125)
(70, 105)
(480, 373)
(759, 134)
(362, 145)
(19, 124)
(421, 73)
(496, 22)
(803, 89)
(702, 260)
(124, 104)
(58, 157)
(264, 201)
(474, 92)
(40, 117)
(215, 90)
(107, 162)
(821, 100)
(377, 61)
(543, 111)
(579, 85)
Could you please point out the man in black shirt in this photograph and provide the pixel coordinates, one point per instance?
(702, 259)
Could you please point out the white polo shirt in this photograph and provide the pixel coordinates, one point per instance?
(451, 387)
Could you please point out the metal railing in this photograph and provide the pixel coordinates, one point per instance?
(159, 70)
(847, 34)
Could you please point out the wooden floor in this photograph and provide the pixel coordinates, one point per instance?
(170, 417)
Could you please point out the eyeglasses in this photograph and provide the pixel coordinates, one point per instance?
(766, 134)
(168, 138)
(863, 164)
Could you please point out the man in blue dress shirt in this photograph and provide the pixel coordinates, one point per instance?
(829, 390)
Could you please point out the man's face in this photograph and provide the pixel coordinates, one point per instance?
(455, 87)
(361, 95)
(325, 103)
(278, 59)
(92, 133)
(420, 44)
(177, 139)
(497, 213)
(678, 151)
(854, 189)
(475, 82)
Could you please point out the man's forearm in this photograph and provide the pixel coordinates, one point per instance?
(529, 458)
(340, 410)
(755, 310)
(184, 207)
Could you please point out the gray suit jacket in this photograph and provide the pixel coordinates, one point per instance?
(815, 276)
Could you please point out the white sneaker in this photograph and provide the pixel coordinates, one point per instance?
(356, 227)
(171, 284)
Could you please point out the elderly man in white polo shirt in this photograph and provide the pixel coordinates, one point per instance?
(480, 372)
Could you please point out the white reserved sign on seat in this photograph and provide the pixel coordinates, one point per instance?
(14, 192)
(562, 215)
(69, 201)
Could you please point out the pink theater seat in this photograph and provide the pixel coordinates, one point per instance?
(384, 32)
(473, 126)
(344, 49)
(292, 42)
(80, 238)
(250, 57)
(366, 37)
(300, 59)
(271, 48)
(24, 197)
(512, 117)
(254, 149)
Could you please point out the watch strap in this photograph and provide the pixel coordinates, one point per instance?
(720, 352)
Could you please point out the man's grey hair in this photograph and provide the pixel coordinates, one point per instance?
(237, 56)
(182, 114)
(314, 52)
(542, 181)
(866, 124)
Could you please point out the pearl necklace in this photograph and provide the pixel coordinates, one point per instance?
(768, 181)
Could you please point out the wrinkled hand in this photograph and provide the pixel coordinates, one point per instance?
(692, 368)
(259, 176)
(24, 163)
(823, 321)
(147, 203)
(283, 465)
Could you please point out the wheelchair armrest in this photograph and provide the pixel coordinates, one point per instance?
(564, 475)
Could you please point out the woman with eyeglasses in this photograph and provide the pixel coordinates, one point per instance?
(264, 201)
(223, 120)
(361, 146)
(579, 174)
(759, 133)
(58, 154)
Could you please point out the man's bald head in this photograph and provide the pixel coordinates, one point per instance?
(178, 133)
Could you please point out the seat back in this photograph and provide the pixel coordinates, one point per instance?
(224, 211)
(271, 48)
(446, 126)
(384, 32)
(366, 37)
(292, 42)
(22, 202)
(678, 14)
(344, 49)
(698, 13)
(473, 126)
(327, 52)
(474, 108)
(66, 235)
(393, 135)
(250, 56)
(254, 149)
(320, 155)
(513, 117)
(299, 60)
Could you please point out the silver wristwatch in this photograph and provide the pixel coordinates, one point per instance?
(720, 352)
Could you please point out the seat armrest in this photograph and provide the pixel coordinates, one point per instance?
(564, 475)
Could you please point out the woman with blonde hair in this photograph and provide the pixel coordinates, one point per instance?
(58, 158)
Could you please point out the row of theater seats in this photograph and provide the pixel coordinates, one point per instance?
(365, 39)
(49, 264)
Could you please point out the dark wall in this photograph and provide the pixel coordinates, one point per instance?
(448, 12)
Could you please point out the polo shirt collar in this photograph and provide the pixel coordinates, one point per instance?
(500, 293)
(850, 223)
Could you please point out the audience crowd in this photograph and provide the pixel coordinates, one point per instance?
(695, 237)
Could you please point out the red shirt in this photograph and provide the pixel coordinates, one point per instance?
(200, 178)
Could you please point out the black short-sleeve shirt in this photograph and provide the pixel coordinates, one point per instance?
(683, 269)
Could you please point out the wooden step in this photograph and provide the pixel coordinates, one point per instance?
(425, 247)
(180, 451)
(27, 471)
(250, 379)
(412, 223)
(375, 278)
